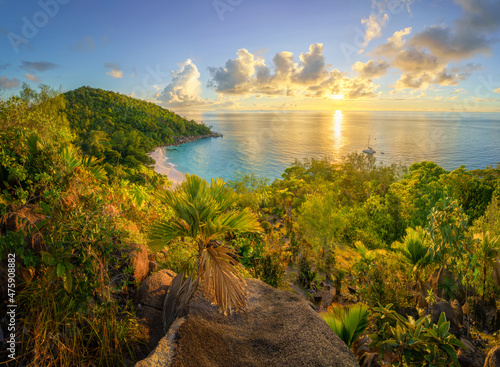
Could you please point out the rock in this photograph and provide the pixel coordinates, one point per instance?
(495, 322)
(136, 256)
(369, 360)
(325, 297)
(178, 140)
(471, 356)
(150, 303)
(163, 353)
(420, 301)
(408, 311)
(474, 307)
(496, 272)
(277, 328)
(493, 357)
(438, 279)
(154, 288)
(153, 267)
(442, 305)
(459, 315)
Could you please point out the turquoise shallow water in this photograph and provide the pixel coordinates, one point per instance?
(265, 143)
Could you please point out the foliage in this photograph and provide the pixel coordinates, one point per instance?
(381, 277)
(121, 130)
(348, 322)
(306, 273)
(415, 250)
(203, 213)
(418, 192)
(264, 255)
(253, 191)
(409, 342)
(448, 232)
(55, 335)
(486, 253)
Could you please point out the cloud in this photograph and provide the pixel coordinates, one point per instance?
(373, 27)
(371, 69)
(239, 75)
(4, 66)
(284, 65)
(33, 78)
(468, 36)
(393, 45)
(185, 87)
(86, 45)
(313, 65)
(114, 70)
(248, 74)
(422, 80)
(420, 67)
(413, 60)
(497, 90)
(40, 66)
(6, 83)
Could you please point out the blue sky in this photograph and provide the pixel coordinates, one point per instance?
(255, 54)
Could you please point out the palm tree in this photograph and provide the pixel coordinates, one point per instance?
(204, 213)
(487, 254)
(415, 251)
(348, 322)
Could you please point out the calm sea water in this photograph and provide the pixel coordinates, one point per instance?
(265, 143)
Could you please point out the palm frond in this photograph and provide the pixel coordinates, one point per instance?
(356, 321)
(164, 231)
(92, 165)
(220, 278)
(179, 294)
(70, 157)
(415, 248)
(348, 322)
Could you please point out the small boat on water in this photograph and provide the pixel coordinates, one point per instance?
(369, 150)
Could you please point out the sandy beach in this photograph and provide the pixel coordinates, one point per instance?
(164, 168)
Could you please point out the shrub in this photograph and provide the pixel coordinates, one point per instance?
(348, 322)
(408, 342)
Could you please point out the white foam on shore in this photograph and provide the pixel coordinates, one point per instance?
(164, 168)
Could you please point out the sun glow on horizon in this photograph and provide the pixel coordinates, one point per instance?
(337, 127)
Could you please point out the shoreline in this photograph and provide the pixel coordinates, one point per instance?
(162, 166)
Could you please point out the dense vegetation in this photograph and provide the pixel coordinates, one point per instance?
(122, 130)
(76, 193)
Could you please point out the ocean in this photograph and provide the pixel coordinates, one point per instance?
(265, 143)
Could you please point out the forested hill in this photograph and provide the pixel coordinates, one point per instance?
(121, 129)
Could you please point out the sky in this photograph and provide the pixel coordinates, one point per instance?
(260, 55)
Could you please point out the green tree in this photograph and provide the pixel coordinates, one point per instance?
(487, 252)
(419, 191)
(203, 213)
(415, 251)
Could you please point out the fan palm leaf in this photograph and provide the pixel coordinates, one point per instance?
(220, 278)
(348, 322)
(203, 212)
(179, 294)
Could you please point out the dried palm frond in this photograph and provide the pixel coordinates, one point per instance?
(220, 278)
(180, 293)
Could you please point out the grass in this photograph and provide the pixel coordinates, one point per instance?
(59, 332)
